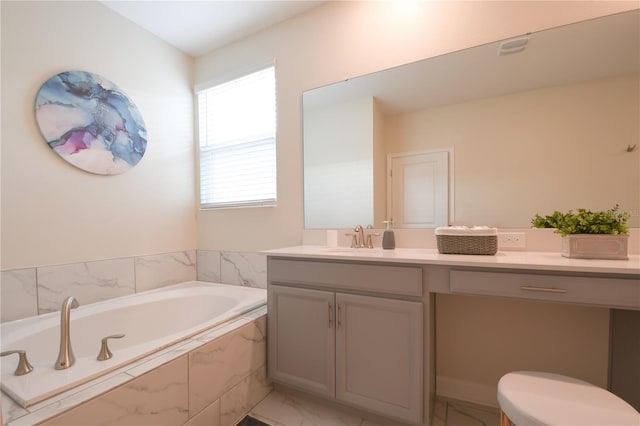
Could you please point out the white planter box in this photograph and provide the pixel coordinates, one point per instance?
(595, 246)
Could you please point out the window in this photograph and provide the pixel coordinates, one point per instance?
(237, 134)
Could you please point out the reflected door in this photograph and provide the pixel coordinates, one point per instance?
(418, 189)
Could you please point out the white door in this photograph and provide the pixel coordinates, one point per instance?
(379, 355)
(419, 189)
(302, 338)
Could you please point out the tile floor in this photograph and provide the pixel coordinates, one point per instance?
(284, 409)
(451, 412)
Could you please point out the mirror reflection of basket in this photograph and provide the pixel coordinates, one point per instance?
(480, 240)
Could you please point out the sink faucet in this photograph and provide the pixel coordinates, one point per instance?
(359, 236)
(65, 356)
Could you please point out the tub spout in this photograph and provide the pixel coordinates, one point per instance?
(65, 356)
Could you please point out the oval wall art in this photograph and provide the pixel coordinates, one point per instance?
(90, 122)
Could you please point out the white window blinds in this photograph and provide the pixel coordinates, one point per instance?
(237, 133)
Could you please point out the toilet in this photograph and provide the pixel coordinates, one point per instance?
(531, 398)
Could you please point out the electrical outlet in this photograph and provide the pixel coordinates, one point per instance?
(511, 240)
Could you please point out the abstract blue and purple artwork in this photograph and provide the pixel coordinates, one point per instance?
(90, 122)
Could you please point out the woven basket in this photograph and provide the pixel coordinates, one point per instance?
(467, 244)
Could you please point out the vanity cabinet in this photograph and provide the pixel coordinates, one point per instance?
(379, 354)
(609, 292)
(356, 347)
(349, 324)
(302, 338)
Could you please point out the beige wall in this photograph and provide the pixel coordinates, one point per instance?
(54, 213)
(480, 339)
(550, 147)
(340, 40)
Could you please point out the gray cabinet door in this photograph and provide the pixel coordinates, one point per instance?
(379, 355)
(302, 338)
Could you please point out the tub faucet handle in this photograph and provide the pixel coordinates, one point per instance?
(23, 363)
(105, 353)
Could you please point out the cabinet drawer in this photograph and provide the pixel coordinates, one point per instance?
(401, 280)
(610, 292)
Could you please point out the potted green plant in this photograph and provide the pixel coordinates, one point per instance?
(589, 235)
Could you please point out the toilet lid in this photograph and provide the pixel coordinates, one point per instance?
(532, 398)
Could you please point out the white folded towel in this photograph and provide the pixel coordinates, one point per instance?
(465, 230)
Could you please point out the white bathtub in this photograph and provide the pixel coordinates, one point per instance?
(150, 321)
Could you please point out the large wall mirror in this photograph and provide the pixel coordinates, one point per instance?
(548, 124)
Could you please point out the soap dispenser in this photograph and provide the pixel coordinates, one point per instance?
(388, 239)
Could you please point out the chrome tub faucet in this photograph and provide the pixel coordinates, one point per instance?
(65, 356)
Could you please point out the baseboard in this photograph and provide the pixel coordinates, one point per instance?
(477, 393)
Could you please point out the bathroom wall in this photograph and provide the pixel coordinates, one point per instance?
(53, 213)
(577, 133)
(341, 40)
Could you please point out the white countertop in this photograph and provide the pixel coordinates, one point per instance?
(503, 259)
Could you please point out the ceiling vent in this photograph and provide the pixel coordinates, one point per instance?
(513, 46)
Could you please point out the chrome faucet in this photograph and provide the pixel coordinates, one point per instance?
(65, 356)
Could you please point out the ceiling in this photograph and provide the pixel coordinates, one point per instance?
(199, 27)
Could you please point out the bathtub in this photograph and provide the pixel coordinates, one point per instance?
(151, 321)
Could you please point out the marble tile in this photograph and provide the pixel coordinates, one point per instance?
(270, 422)
(72, 398)
(280, 408)
(164, 269)
(225, 328)
(208, 266)
(157, 398)
(219, 365)
(10, 410)
(159, 358)
(209, 416)
(88, 282)
(451, 412)
(238, 401)
(247, 269)
(18, 294)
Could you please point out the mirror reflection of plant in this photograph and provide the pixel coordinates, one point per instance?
(585, 222)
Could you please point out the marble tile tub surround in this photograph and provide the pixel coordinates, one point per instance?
(172, 386)
(247, 269)
(39, 290)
